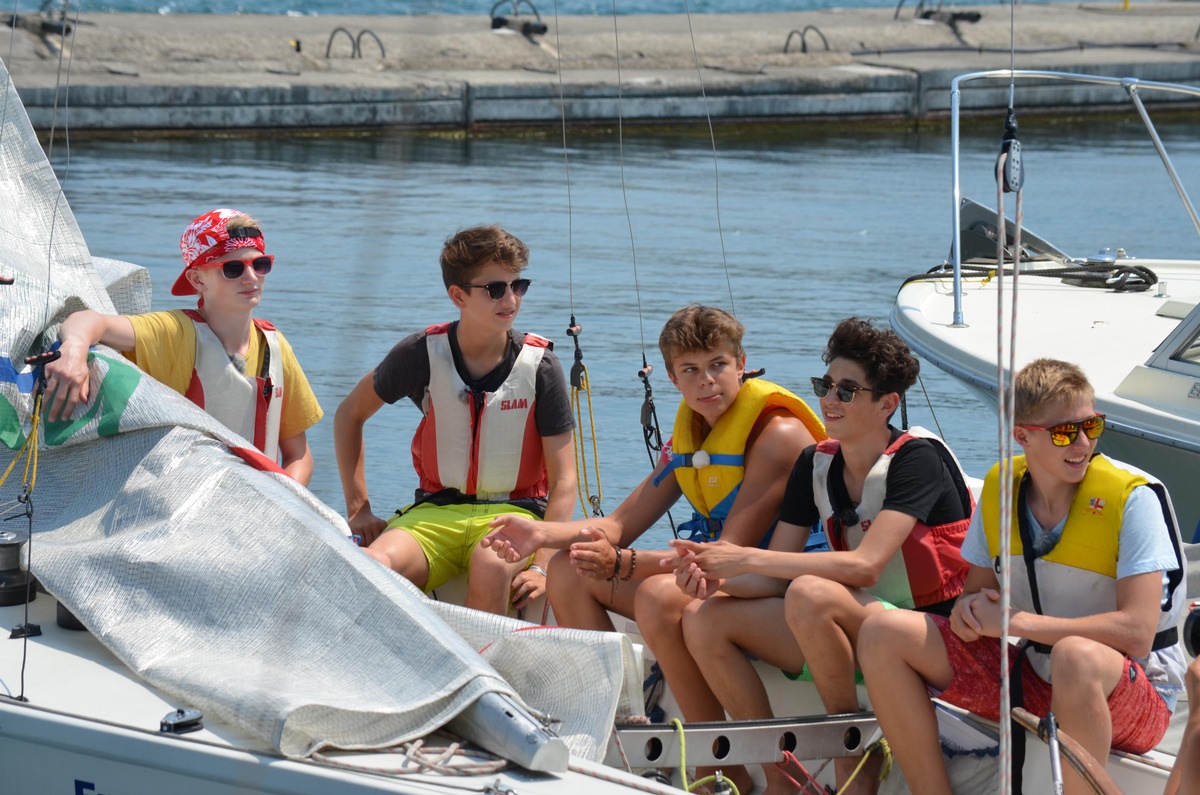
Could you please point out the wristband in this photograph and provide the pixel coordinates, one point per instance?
(538, 569)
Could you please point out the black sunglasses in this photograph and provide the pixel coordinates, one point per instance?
(496, 290)
(234, 268)
(844, 392)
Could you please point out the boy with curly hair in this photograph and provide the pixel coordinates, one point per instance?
(894, 506)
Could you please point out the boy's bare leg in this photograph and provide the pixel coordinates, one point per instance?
(658, 609)
(719, 633)
(824, 617)
(900, 651)
(1084, 673)
(400, 552)
(489, 582)
(581, 603)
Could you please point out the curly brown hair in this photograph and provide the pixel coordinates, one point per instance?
(700, 328)
(468, 251)
(889, 365)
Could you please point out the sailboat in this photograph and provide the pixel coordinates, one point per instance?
(185, 617)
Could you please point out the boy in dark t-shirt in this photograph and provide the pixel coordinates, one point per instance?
(894, 506)
(495, 437)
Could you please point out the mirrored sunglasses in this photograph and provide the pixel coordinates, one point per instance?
(234, 268)
(845, 392)
(1065, 433)
(496, 290)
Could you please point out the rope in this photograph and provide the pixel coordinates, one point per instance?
(1006, 388)
(678, 724)
(419, 758)
(929, 403)
(580, 389)
(633, 783)
(886, 749)
(29, 449)
(1120, 278)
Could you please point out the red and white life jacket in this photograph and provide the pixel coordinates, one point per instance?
(485, 445)
(248, 405)
(929, 567)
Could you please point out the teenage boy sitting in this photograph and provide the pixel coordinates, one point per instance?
(1096, 573)
(732, 446)
(894, 506)
(495, 437)
(236, 367)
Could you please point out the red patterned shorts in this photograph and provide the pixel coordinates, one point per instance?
(1139, 714)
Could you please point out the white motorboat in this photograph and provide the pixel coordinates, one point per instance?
(1132, 323)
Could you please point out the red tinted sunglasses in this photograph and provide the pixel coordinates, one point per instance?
(234, 268)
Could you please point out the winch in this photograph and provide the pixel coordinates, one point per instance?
(15, 585)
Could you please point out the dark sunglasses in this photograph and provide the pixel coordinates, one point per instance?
(844, 392)
(1065, 433)
(496, 290)
(234, 268)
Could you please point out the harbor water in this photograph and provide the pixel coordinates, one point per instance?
(793, 229)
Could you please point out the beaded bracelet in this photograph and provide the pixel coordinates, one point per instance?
(632, 564)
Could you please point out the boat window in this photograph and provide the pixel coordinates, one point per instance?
(1191, 351)
(1180, 351)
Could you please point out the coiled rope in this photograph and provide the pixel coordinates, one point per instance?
(1119, 278)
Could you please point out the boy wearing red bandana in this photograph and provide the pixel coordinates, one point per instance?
(238, 368)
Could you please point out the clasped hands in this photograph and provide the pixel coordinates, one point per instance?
(977, 615)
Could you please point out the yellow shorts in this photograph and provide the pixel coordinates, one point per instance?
(448, 534)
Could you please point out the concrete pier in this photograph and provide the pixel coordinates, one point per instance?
(183, 72)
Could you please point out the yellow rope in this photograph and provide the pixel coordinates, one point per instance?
(29, 449)
(678, 724)
(583, 484)
(886, 749)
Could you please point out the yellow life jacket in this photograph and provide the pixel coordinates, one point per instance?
(1079, 576)
(710, 470)
(1090, 539)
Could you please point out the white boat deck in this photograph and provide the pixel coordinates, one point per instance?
(90, 725)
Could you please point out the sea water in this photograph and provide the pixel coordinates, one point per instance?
(792, 229)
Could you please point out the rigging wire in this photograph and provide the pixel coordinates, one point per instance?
(580, 383)
(1009, 179)
(712, 139)
(651, 430)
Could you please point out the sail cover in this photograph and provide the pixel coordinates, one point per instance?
(224, 584)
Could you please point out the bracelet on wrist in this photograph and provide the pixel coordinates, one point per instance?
(538, 569)
(632, 564)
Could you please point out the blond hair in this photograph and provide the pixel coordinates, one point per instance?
(1046, 382)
